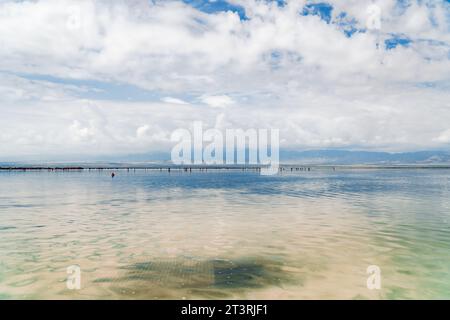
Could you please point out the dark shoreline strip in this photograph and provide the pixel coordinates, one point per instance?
(243, 168)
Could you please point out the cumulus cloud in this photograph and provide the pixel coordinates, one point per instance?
(173, 100)
(318, 74)
(444, 137)
(142, 131)
(80, 132)
(220, 101)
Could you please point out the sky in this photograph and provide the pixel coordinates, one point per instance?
(118, 77)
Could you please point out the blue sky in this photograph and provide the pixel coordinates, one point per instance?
(217, 6)
(120, 77)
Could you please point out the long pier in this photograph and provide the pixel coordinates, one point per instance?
(205, 168)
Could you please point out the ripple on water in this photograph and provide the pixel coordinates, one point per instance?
(24, 282)
(2, 228)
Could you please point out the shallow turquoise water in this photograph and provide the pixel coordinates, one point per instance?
(225, 234)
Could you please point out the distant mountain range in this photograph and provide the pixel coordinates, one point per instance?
(312, 157)
(345, 157)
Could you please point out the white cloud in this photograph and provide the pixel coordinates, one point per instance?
(80, 132)
(444, 137)
(219, 101)
(276, 69)
(173, 100)
(142, 131)
(173, 47)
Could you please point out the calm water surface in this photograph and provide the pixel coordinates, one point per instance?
(224, 234)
